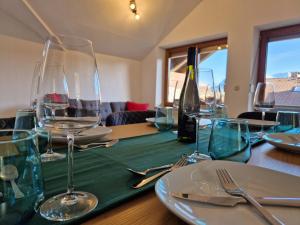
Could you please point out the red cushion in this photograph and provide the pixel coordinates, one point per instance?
(57, 98)
(134, 106)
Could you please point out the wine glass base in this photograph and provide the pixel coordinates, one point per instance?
(197, 157)
(66, 206)
(54, 156)
(257, 135)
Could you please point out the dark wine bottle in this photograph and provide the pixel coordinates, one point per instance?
(189, 102)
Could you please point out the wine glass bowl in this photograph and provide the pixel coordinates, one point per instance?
(220, 95)
(264, 99)
(206, 89)
(69, 77)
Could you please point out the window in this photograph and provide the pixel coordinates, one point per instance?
(279, 63)
(212, 54)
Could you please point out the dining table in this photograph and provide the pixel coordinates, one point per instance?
(146, 208)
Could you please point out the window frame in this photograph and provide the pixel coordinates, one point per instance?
(172, 51)
(266, 36)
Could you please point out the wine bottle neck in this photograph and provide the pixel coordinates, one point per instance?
(191, 59)
(191, 72)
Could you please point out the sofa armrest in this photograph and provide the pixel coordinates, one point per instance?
(7, 123)
(128, 117)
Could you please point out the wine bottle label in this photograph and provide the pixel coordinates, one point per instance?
(187, 129)
(191, 72)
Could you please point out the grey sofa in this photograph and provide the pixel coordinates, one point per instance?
(112, 113)
(115, 113)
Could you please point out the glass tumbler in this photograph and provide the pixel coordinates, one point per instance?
(287, 120)
(164, 118)
(228, 138)
(25, 119)
(21, 182)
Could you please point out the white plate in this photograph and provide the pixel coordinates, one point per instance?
(203, 122)
(202, 178)
(257, 123)
(152, 121)
(93, 133)
(284, 141)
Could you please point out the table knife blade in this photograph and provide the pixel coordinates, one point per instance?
(232, 200)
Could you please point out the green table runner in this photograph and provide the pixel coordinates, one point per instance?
(102, 171)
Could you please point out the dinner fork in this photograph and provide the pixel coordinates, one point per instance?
(181, 162)
(231, 187)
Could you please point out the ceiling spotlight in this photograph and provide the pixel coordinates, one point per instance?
(132, 4)
(133, 9)
(137, 16)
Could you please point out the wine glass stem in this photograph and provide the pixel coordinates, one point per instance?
(197, 134)
(50, 148)
(70, 138)
(263, 113)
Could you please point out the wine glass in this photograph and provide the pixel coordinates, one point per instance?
(175, 105)
(49, 155)
(176, 97)
(206, 87)
(35, 85)
(220, 107)
(264, 99)
(206, 95)
(220, 95)
(69, 74)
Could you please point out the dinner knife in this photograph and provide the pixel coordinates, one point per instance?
(232, 200)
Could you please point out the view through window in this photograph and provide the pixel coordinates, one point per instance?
(213, 57)
(279, 64)
(283, 70)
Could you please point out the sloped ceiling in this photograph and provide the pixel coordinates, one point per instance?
(108, 23)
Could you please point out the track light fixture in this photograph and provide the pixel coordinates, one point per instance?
(133, 8)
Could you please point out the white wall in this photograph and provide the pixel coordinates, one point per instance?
(153, 77)
(119, 77)
(17, 61)
(240, 21)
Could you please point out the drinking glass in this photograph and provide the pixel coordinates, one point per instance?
(69, 74)
(287, 120)
(264, 99)
(21, 181)
(49, 155)
(25, 119)
(164, 118)
(228, 137)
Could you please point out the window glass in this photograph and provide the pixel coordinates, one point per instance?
(217, 61)
(283, 70)
(214, 57)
